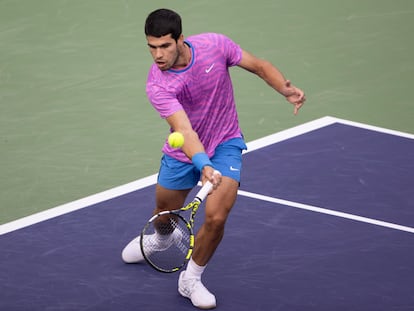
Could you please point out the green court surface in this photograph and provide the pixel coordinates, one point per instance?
(74, 118)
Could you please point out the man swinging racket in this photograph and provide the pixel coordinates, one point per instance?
(190, 86)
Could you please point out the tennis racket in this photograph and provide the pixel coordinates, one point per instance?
(167, 240)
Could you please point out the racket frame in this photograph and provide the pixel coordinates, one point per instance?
(193, 206)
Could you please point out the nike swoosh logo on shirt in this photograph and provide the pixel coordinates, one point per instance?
(233, 169)
(209, 68)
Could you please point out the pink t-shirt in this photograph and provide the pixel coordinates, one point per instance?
(203, 89)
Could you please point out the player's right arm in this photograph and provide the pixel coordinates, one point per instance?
(179, 122)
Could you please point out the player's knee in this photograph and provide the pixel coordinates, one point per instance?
(215, 223)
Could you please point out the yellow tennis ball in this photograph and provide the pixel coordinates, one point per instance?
(176, 140)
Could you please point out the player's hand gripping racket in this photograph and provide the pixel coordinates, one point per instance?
(167, 240)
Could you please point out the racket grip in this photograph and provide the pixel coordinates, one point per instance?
(201, 195)
(204, 191)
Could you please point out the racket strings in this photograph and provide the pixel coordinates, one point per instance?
(166, 242)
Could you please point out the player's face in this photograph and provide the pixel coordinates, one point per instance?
(164, 51)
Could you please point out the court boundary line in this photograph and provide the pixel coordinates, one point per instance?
(326, 211)
(152, 179)
(78, 204)
(314, 125)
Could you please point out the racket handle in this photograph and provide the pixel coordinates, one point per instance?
(201, 195)
(204, 191)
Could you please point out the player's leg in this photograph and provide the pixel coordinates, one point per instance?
(168, 200)
(218, 206)
(228, 160)
(175, 180)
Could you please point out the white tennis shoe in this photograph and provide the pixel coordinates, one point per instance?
(155, 242)
(193, 289)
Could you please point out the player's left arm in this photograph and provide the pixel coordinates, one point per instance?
(272, 76)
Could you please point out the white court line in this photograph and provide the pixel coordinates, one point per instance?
(151, 180)
(314, 125)
(326, 211)
(372, 128)
(78, 204)
(289, 133)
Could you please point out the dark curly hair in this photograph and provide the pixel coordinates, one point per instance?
(162, 22)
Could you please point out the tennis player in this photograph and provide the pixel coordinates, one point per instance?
(189, 85)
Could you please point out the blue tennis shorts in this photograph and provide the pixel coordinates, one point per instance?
(227, 159)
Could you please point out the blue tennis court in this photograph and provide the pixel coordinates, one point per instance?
(324, 220)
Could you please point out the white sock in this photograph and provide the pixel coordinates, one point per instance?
(161, 237)
(162, 240)
(194, 271)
